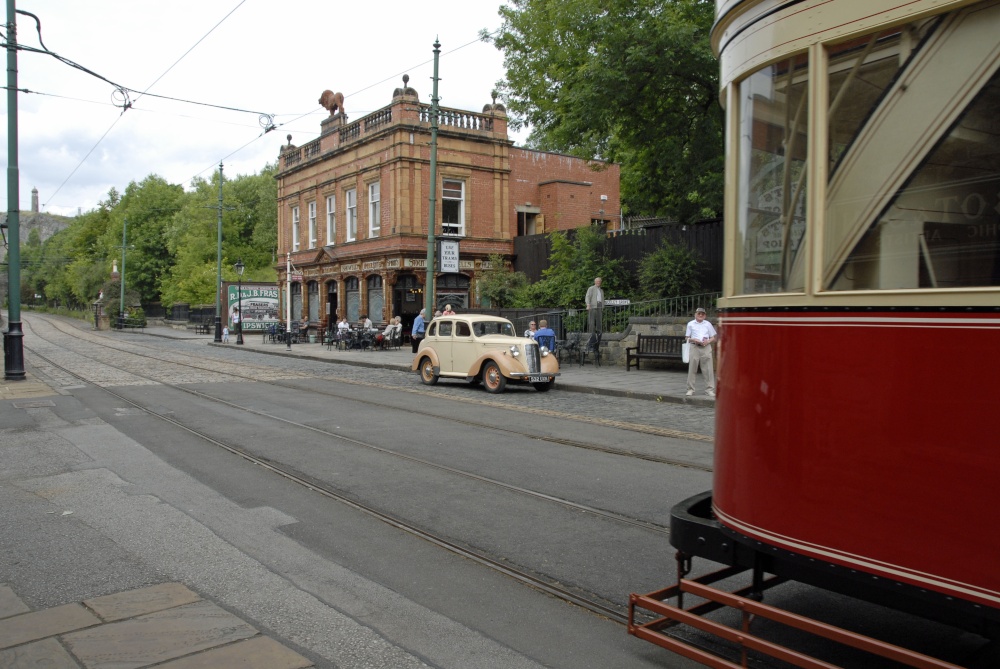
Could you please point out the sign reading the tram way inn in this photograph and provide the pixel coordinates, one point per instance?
(260, 305)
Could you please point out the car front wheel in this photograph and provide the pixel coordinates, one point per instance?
(427, 374)
(493, 378)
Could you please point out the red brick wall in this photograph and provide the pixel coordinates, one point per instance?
(567, 190)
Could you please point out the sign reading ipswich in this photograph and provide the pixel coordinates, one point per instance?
(261, 306)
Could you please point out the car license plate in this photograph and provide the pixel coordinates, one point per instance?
(538, 378)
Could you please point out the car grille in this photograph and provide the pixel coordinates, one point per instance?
(532, 359)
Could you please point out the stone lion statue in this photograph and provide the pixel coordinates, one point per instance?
(332, 101)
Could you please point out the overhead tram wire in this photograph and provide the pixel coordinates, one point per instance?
(360, 90)
(122, 90)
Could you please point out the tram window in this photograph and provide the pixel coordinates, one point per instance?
(942, 228)
(859, 72)
(772, 178)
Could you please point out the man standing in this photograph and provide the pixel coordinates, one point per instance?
(700, 335)
(595, 307)
(417, 332)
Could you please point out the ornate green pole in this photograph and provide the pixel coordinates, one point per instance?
(13, 338)
(121, 311)
(218, 278)
(429, 287)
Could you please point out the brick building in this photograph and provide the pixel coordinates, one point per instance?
(353, 206)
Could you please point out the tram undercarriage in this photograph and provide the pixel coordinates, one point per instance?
(696, 533)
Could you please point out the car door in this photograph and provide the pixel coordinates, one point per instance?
(443, 345)
(464, 350)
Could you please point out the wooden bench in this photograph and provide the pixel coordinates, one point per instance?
(653, 347)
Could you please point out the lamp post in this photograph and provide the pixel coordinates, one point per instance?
(239, 267)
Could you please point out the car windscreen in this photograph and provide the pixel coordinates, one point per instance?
(487, 328)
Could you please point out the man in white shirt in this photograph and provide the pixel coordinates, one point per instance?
(700, 334)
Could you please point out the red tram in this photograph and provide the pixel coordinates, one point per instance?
(859, 346)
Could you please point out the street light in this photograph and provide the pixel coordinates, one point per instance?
(239, 267)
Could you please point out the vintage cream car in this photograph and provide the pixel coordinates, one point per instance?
(483, 349)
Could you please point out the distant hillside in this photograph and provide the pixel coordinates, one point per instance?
(47, 224)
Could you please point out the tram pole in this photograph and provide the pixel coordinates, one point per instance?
(432, 215)
(13, 338)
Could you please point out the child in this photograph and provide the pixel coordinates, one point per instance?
(225, 335)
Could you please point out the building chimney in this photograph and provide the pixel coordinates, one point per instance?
(34, 200)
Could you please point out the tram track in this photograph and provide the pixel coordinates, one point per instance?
(594, 604)
(607, 610)
(326, 392)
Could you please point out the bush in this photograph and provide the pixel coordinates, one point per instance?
(669, 271)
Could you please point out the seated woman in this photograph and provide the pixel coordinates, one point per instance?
(382, 339)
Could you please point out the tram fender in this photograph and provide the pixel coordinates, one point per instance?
(696, 532)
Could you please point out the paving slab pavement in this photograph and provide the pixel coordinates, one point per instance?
(166, 625)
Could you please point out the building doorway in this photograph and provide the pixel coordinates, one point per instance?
(407, 299)
(331, 305)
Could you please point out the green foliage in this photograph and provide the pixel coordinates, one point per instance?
(574, 264)
(630, 81)
(501, 285)
(170, 246)
(669, 271)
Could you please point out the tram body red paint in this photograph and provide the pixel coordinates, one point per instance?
(865, 439)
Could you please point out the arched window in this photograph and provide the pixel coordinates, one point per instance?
(313, 292)
(376, 298)
(296, 301)
(452, 289)
(353, 298)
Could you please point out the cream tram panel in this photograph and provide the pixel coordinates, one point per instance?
(753, 34)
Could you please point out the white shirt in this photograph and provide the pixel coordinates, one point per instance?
(342, 325)
(699, 332)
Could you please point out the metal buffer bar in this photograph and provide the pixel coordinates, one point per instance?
(743, 638)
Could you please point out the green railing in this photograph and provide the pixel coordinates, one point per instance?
(616, 316)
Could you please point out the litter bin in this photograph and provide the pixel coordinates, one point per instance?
(312, 339)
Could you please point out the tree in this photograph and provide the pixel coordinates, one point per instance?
(629, 81)
(500, 284)
(573, 264)
(669, 271)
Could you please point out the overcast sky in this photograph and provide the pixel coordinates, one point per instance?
(256, 55)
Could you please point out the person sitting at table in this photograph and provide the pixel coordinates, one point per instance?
(386, 334)
(366, 323)
(545, 336)
(343, 325)
(532, 329)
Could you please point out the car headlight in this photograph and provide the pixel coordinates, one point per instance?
(515, 351)
(544, 350)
